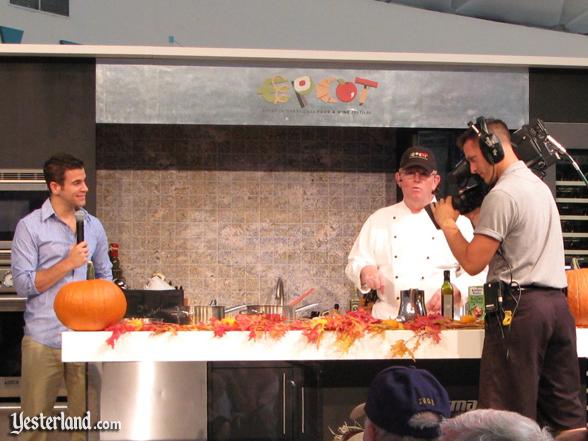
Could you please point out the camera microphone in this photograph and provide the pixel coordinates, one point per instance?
(79, 215)
(560, 148)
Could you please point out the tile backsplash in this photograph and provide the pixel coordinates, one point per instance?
(225, 210)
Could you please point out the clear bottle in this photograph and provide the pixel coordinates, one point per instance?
(447, 305)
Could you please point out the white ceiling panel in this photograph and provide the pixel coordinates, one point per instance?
(431, 5)
(543, 13)
(562, 15)
(574, 16)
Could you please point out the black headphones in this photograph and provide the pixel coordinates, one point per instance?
(490, 145)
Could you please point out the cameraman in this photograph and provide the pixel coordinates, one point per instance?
(529, 362)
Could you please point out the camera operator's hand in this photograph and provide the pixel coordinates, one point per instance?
(370, 278)
(445, 214)
(474, 216)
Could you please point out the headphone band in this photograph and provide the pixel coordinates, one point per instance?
(490, 144)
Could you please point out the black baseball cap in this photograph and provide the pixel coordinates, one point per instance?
(419, 157)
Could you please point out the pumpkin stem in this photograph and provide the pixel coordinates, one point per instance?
(90, 272)
(575, 263)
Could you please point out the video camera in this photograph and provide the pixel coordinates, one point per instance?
(531, 143)
(467, 191)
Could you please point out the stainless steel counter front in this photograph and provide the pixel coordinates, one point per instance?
(154, 401)
(157, 385)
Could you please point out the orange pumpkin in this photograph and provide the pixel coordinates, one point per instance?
(90, 305)
(578, 295)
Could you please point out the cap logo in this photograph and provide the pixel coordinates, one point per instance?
(426, 401)
(419, 155)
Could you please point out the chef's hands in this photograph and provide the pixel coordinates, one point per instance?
(371, 278)
(434, 303)
(445, 214)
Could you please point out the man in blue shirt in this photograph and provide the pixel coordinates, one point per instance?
(45, 256)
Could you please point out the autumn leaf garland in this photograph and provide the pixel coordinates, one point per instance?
(348, 328)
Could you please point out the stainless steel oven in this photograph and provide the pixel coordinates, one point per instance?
(11, 332)
(21, 191)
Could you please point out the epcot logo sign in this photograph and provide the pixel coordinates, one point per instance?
(330, 90)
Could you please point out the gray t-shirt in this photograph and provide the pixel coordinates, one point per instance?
(520, 212)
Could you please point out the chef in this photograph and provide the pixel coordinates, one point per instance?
(400, 248)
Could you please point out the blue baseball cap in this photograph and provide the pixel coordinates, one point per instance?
(398, 393)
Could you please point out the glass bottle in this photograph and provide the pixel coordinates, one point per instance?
(117, 274)
(354, 302)
(447, 297)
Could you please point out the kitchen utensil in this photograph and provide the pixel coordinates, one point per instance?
(306, 307)
(412, 305)
(194, 314)
(236, 308)
(296, 300)
(280, 295)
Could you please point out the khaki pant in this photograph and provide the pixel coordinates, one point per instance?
(42, 376)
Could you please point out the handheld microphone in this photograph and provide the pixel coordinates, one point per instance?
(79, 214)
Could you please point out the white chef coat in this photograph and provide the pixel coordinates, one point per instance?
(409, 253)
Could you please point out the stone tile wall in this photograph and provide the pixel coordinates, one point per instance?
(224, 211)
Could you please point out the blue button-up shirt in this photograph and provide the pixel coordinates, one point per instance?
(40, 241)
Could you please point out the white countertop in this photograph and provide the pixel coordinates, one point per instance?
(236, 346)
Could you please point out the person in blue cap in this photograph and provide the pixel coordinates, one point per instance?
(405, 403)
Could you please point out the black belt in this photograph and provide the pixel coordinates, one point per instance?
(527, 288)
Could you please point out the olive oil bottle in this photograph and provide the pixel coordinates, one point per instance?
(355, 301)
(447, 297)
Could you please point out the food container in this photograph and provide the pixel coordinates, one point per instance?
(412, 305)
(203, 314)
(285, 311)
